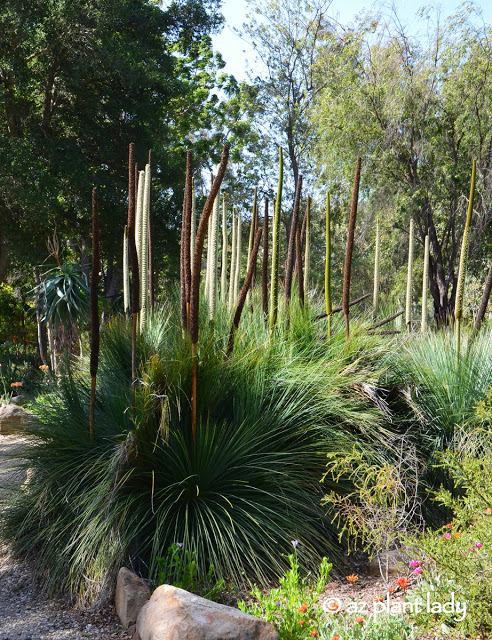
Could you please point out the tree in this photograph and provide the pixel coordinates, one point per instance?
(78, 82)
(287, 37)
(417, 113)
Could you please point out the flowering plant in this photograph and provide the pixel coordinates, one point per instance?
(292, 607)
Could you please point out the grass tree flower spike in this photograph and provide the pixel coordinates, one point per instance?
(126, 273)
(425, 285)
(264, 269)
(350, 250)
(276, 245)
(233, 258)
(144, 250)
(460, 288)
(223, 273)
(212, 298)
(195, 283)
(307, 250)
(96, 266)
(328, 304)
(237, 275)
(408, 304)
(375, 295)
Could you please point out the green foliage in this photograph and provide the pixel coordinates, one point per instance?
(293, 607)
(62, 296)
(266, 418)
(382, 627)
(382, 504)
(458, 557)
(178, 567)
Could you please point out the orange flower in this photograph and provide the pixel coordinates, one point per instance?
(44, 367)
(488, 510)
(378, 599)
(403, 582)
(301, 622)
(16, 384)
(353, 578)
(336, 638)
(303, 608)
(333, 606)
(360, 619)
(456, 534)
(313, 633)
(449, 526)
(391, 590)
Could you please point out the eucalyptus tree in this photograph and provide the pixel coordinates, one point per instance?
(417, 112)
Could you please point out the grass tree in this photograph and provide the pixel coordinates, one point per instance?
(195, 283)
(291, 250)
(214, 230)
(144, 249)
(237, 272)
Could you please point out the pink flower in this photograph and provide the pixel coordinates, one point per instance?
(417, 570)
(415, 563)
(447, 536)
(478, 545)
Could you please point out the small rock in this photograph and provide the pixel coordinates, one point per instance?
(132, 593)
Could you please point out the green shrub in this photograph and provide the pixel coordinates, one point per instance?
(457, 558)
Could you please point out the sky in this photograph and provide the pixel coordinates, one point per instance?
(238, 55)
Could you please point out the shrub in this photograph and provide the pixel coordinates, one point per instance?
(457, 558)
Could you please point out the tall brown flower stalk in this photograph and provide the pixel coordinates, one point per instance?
(132, 250)
(94, 358)
(264, 268)
(244, 291)
(289, 265)
(350, 250)
(187, 237)
(300, 277)
(151, 242)
(306, 231)
(195, 282)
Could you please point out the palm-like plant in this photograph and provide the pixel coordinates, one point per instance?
(62, 299)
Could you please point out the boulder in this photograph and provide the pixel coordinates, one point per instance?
(132, 593)
(13, 417)
(19, 400)
(175, 614)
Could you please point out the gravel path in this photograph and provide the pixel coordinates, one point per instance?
(27, 614)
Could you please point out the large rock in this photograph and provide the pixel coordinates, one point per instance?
(390, 563)
(175, 614)
(13, 417)
(132, 593)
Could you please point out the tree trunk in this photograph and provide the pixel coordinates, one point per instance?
(4, 256)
